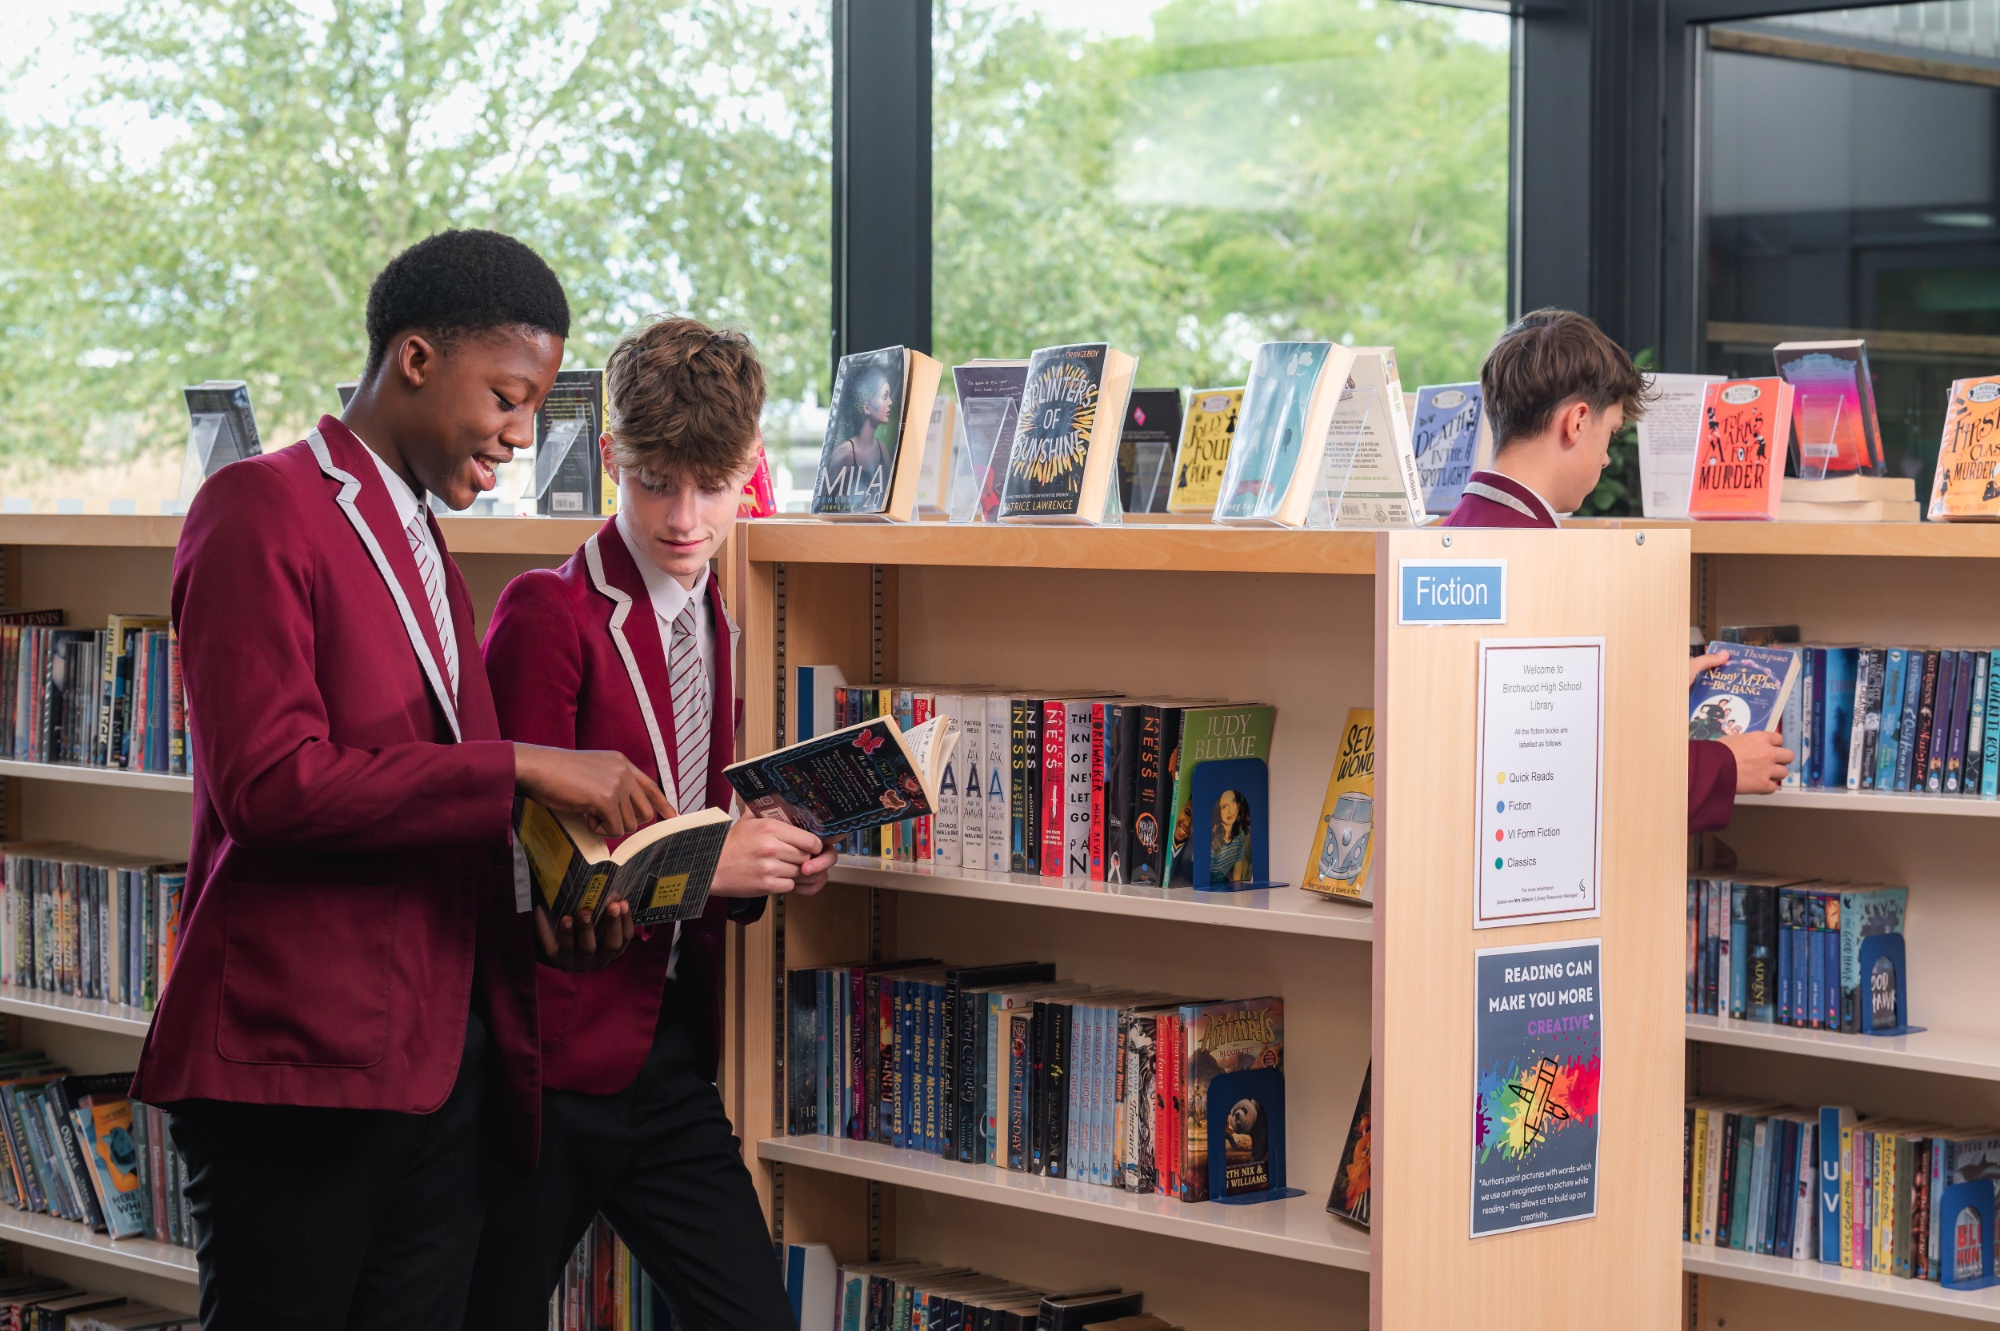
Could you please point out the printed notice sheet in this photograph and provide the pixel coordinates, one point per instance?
(1538, 1047)
(1541, 780)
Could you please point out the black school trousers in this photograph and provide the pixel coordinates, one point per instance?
(660, 1161)
(337, 1219)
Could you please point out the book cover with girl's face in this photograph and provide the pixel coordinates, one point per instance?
(863, 429)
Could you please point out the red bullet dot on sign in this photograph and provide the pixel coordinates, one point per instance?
(1499, 835)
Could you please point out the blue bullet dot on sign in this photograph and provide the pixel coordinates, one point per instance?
(1500, 806)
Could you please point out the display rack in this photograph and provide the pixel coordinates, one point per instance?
(1881, 583)
(91, 566)
(1306, 621)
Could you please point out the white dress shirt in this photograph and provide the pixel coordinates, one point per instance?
(409, 506)
(669, 598)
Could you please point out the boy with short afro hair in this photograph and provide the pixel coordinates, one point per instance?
(628, 646)
(350, 1017)
(1556, 390)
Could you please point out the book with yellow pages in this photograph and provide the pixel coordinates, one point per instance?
(1206, 429)
(663, 870)
(1343, 845)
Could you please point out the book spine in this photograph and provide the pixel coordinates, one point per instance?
(1867, 709)
(1098, 712)
(1056, 1106)
(1076, 820)
(1020, 1080)
(947, 836)
(1037, 1089)
(950, 994)
(1989, 767)
(1815, 967)
(1025, 760)
(1975, 729)
(872, 1047)
(1884, 775)
(1932, 707)
(1812, 667)
(921, 833)
(855, 1102)
(933, 1067)
(999, 783)
(1961, 723)
(1737, 947)
(1052, 806)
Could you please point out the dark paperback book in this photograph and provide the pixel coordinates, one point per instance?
(862, 776)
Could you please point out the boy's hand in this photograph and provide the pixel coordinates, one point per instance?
(765, 857)
(578, 943)
(1699, 664)
(1761, 760)
(615, 798)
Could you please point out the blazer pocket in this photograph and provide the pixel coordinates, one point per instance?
(555, 1005)
(306, 973)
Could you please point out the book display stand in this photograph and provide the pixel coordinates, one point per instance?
(1816, 427)
(1307, 621)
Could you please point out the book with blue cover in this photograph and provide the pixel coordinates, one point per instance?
(1445, 432)
(1744, 696)
(1280, 441)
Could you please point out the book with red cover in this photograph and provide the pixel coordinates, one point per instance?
(759, 499)
(1055, 759)
(1740, 461)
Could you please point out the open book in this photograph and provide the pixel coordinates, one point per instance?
(866, 775)
(663, 870)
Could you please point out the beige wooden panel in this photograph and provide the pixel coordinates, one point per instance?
(1162, 548)
(1622, 1267)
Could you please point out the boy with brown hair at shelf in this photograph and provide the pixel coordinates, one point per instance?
(628, 646)
(350, 1020)
(1556, 390)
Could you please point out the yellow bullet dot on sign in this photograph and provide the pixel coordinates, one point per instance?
(1501, 777)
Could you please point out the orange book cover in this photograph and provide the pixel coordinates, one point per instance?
(1746, 425)
(1968, 467)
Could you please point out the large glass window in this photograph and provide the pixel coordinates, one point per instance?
(1852, 159)
(1189, 178)
(195, 189)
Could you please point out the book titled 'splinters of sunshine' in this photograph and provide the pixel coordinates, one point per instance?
(1739, 463)
(1967, 484)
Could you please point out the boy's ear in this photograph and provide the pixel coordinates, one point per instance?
(416, 359)
(604, 453)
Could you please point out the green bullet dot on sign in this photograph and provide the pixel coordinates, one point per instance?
(1496, 861)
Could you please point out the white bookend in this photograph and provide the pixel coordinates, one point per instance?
(946, 842)
(1076, 791)
(1668, 433)
(999, 782)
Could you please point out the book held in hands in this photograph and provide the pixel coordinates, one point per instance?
(861, 776)
(663, 870)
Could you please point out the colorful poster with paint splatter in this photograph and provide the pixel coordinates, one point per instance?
(1537, 1054)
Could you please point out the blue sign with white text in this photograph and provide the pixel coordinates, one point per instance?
(1453, 591)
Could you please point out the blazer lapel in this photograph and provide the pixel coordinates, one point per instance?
(365, 501)
(722, 730)
(635, 632)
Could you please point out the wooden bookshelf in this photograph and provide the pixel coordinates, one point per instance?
(90, 566)
(1875, 583)
(1303, 620)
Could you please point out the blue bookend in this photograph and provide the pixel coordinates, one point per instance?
(1966, 1241)
(1246, 1137)
(1229, 847)
(1885, 993)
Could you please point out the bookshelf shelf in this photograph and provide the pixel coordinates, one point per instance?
(1943, 1052)
(1855, 801)
(1297, 1227)
(1281, 910)
(92, 1013)
(66, 1236)
(78, 774)
(464, 536)
(1837, 1281)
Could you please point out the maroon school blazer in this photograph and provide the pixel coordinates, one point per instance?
(1711, 766)
(349, 874)
(577, 662)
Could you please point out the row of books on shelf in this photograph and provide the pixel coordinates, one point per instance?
(1877, 718)
(909, 1295)
(87, 923)
(1094, 785)
(1795, 951)
(1822, 1186)
(80, 1148)
(43, 1303)
(107, 697)
(604, 1288)
(1011, 1067)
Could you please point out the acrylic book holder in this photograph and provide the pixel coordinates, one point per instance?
(974, 490)
(1816, 423)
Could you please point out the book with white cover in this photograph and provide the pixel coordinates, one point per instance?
(1076, 790)
(999, 781)
(1668, 434)
(946, 844)
(972, 783)
(1368, 444)
(812, 701)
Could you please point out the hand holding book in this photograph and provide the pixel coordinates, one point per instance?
(766, 857)
(613, 797)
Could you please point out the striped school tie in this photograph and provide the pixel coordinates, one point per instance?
(432, 577)
(692, 712)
